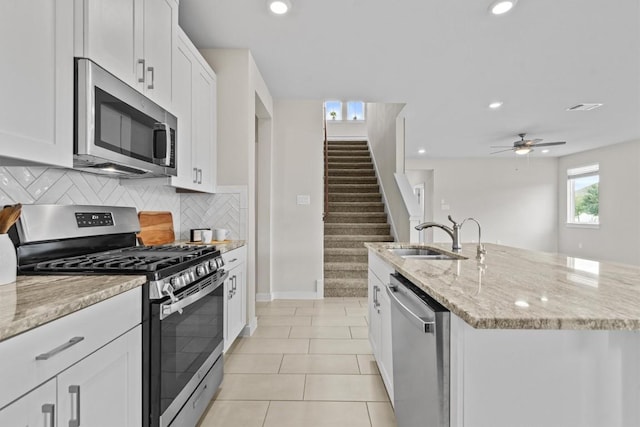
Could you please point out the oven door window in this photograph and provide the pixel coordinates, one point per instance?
(185, 342)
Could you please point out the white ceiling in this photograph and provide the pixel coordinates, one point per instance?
(447, 60)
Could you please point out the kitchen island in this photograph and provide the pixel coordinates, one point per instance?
(536, 339)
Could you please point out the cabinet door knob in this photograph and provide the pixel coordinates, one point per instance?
(49, 411)
(46, 356)
(74, 390)
(142, 74)
(152, 79)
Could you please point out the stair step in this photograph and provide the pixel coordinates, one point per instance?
(352, 180)
(355, 197)
(336, 160)
(351, 172)
(353, 241)
(347, 165)
(344, 274)
(356, 217)
(359, 229)
(337, 143)
(353, 188)
(369, 207)
(348, 255)
(348, 147)
(346, 287)
(349, 153)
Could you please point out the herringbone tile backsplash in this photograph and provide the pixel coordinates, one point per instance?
(41, 185)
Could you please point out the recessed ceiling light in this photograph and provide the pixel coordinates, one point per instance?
(422, 151)
(495, 105)
(545, 151)
(522, 303)
(279, 7)
(502, 6)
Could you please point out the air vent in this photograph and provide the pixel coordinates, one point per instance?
(584, 107)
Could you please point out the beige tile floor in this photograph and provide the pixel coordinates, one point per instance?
(308, 364)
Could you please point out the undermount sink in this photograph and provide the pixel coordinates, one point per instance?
(420, 253)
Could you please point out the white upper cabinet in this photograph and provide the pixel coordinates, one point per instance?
(194, 103)
(36, 82)
(132, 39)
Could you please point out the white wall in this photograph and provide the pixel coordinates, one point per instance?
(239, 83)
(382, 134)
(346, 130)
(514, 199)
(618, 236)
(297, 170)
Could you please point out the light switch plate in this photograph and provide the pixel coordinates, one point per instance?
(303, 199)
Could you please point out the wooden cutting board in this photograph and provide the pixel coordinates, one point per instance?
(156, 228)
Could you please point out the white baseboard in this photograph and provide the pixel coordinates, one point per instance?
(296, 295)
(264, 297)
(249, 329)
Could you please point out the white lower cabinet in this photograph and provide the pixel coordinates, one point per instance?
(35, 409)
(82, 369)
(104, 389)
(235, 302)
(380, 319)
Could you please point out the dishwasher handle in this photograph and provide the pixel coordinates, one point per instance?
(426, 326)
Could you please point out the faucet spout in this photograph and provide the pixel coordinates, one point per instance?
(453, 232)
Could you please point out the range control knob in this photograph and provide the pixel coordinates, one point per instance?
(200, 271)
(212, 265)
(174, 282)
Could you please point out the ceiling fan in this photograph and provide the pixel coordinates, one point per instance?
(525, 146)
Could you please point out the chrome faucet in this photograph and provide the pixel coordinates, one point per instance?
(480, 250)
(453, 232)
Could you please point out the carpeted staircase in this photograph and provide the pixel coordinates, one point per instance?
(356, 215)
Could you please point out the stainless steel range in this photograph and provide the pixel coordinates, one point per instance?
(182, 308)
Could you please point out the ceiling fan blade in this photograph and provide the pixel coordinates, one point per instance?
(502, 151)
(501, 146)
(547, 144)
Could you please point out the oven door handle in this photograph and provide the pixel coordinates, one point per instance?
(167, 309)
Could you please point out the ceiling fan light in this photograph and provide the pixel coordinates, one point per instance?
(502, 6)
(279, 7)
(523, 150)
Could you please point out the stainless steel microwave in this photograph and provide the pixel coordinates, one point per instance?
(118, 130)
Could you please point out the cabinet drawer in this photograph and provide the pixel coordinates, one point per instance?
(380, 268)
(234, 258)
(35, 356)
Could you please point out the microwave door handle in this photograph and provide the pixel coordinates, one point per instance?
(167, 159)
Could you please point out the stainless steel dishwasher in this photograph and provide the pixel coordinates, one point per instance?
(420, 341)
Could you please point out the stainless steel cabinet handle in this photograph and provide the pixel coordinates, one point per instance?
(199, 176)
(152, 79)
(75, 405)
(234, 282)
(195, 175)
(141, 79)
(49, 411)
(425, 326)
(233, 260)
(48, 355)
(376, 289)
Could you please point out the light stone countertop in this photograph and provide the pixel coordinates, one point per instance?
(33, 301)
(522, 289)
(226, 246)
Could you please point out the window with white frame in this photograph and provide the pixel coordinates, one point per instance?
(355, 110)
(333, 110)
(583, 199)
(350, 110)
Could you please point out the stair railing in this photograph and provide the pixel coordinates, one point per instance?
(326, 165)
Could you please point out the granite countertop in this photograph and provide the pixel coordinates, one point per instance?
(225, 246)
(35, 300)
(522, 289)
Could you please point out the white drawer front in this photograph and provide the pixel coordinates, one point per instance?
(33, 357)
(234, 258)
